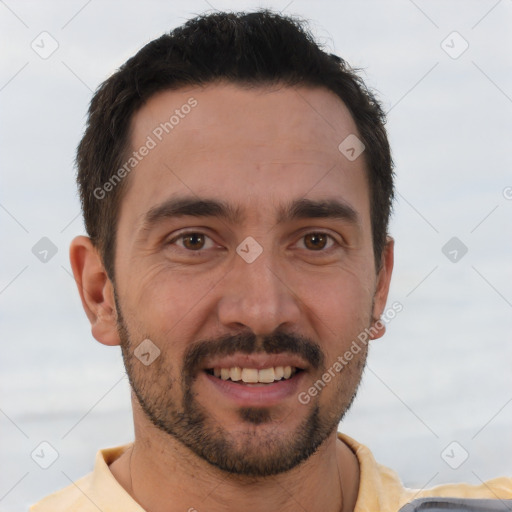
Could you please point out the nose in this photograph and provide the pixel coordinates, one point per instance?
(257, 296)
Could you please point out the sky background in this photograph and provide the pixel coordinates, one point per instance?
(443, 372)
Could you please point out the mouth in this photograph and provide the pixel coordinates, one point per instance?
(253, 380)
(254, 376)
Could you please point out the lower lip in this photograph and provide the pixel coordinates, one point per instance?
(264, 395)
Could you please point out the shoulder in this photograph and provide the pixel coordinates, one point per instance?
(98, 490)
(73, 497)
(381, 489)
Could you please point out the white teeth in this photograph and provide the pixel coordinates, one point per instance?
(266, 375)
(253, 376)
(235, 374)
(250, 375)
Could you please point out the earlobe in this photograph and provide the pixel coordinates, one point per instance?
(95, 289)
(382, 288)
(378, 329)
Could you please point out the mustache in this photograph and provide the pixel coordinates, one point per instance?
(248, 343)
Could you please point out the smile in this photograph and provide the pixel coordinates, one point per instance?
(254, 375)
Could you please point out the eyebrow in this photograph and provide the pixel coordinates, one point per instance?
(202, 207)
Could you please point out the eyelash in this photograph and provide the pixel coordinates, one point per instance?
(186, 233)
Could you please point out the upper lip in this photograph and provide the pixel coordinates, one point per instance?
(257, 361)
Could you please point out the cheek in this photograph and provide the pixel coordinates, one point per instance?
(170, 305)
(340, 299)
(339, 309)
(166, 292)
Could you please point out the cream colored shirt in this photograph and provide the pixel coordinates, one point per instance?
(380, 488)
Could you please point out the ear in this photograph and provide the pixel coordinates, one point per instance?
(382, 288)
(95, 289)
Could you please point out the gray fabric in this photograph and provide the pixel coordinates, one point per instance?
(457, 505)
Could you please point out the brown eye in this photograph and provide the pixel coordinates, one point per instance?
(193, 241)
(316, 241)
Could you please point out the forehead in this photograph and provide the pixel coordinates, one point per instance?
(255, 145)
(288, 117)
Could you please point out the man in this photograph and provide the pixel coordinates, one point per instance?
(236, 184)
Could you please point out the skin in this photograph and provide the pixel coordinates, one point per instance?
(258, 149)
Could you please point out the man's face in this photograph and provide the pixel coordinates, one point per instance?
(272, 268)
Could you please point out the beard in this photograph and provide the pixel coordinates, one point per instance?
(258, 447)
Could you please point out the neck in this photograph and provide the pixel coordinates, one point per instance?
(162, 475)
